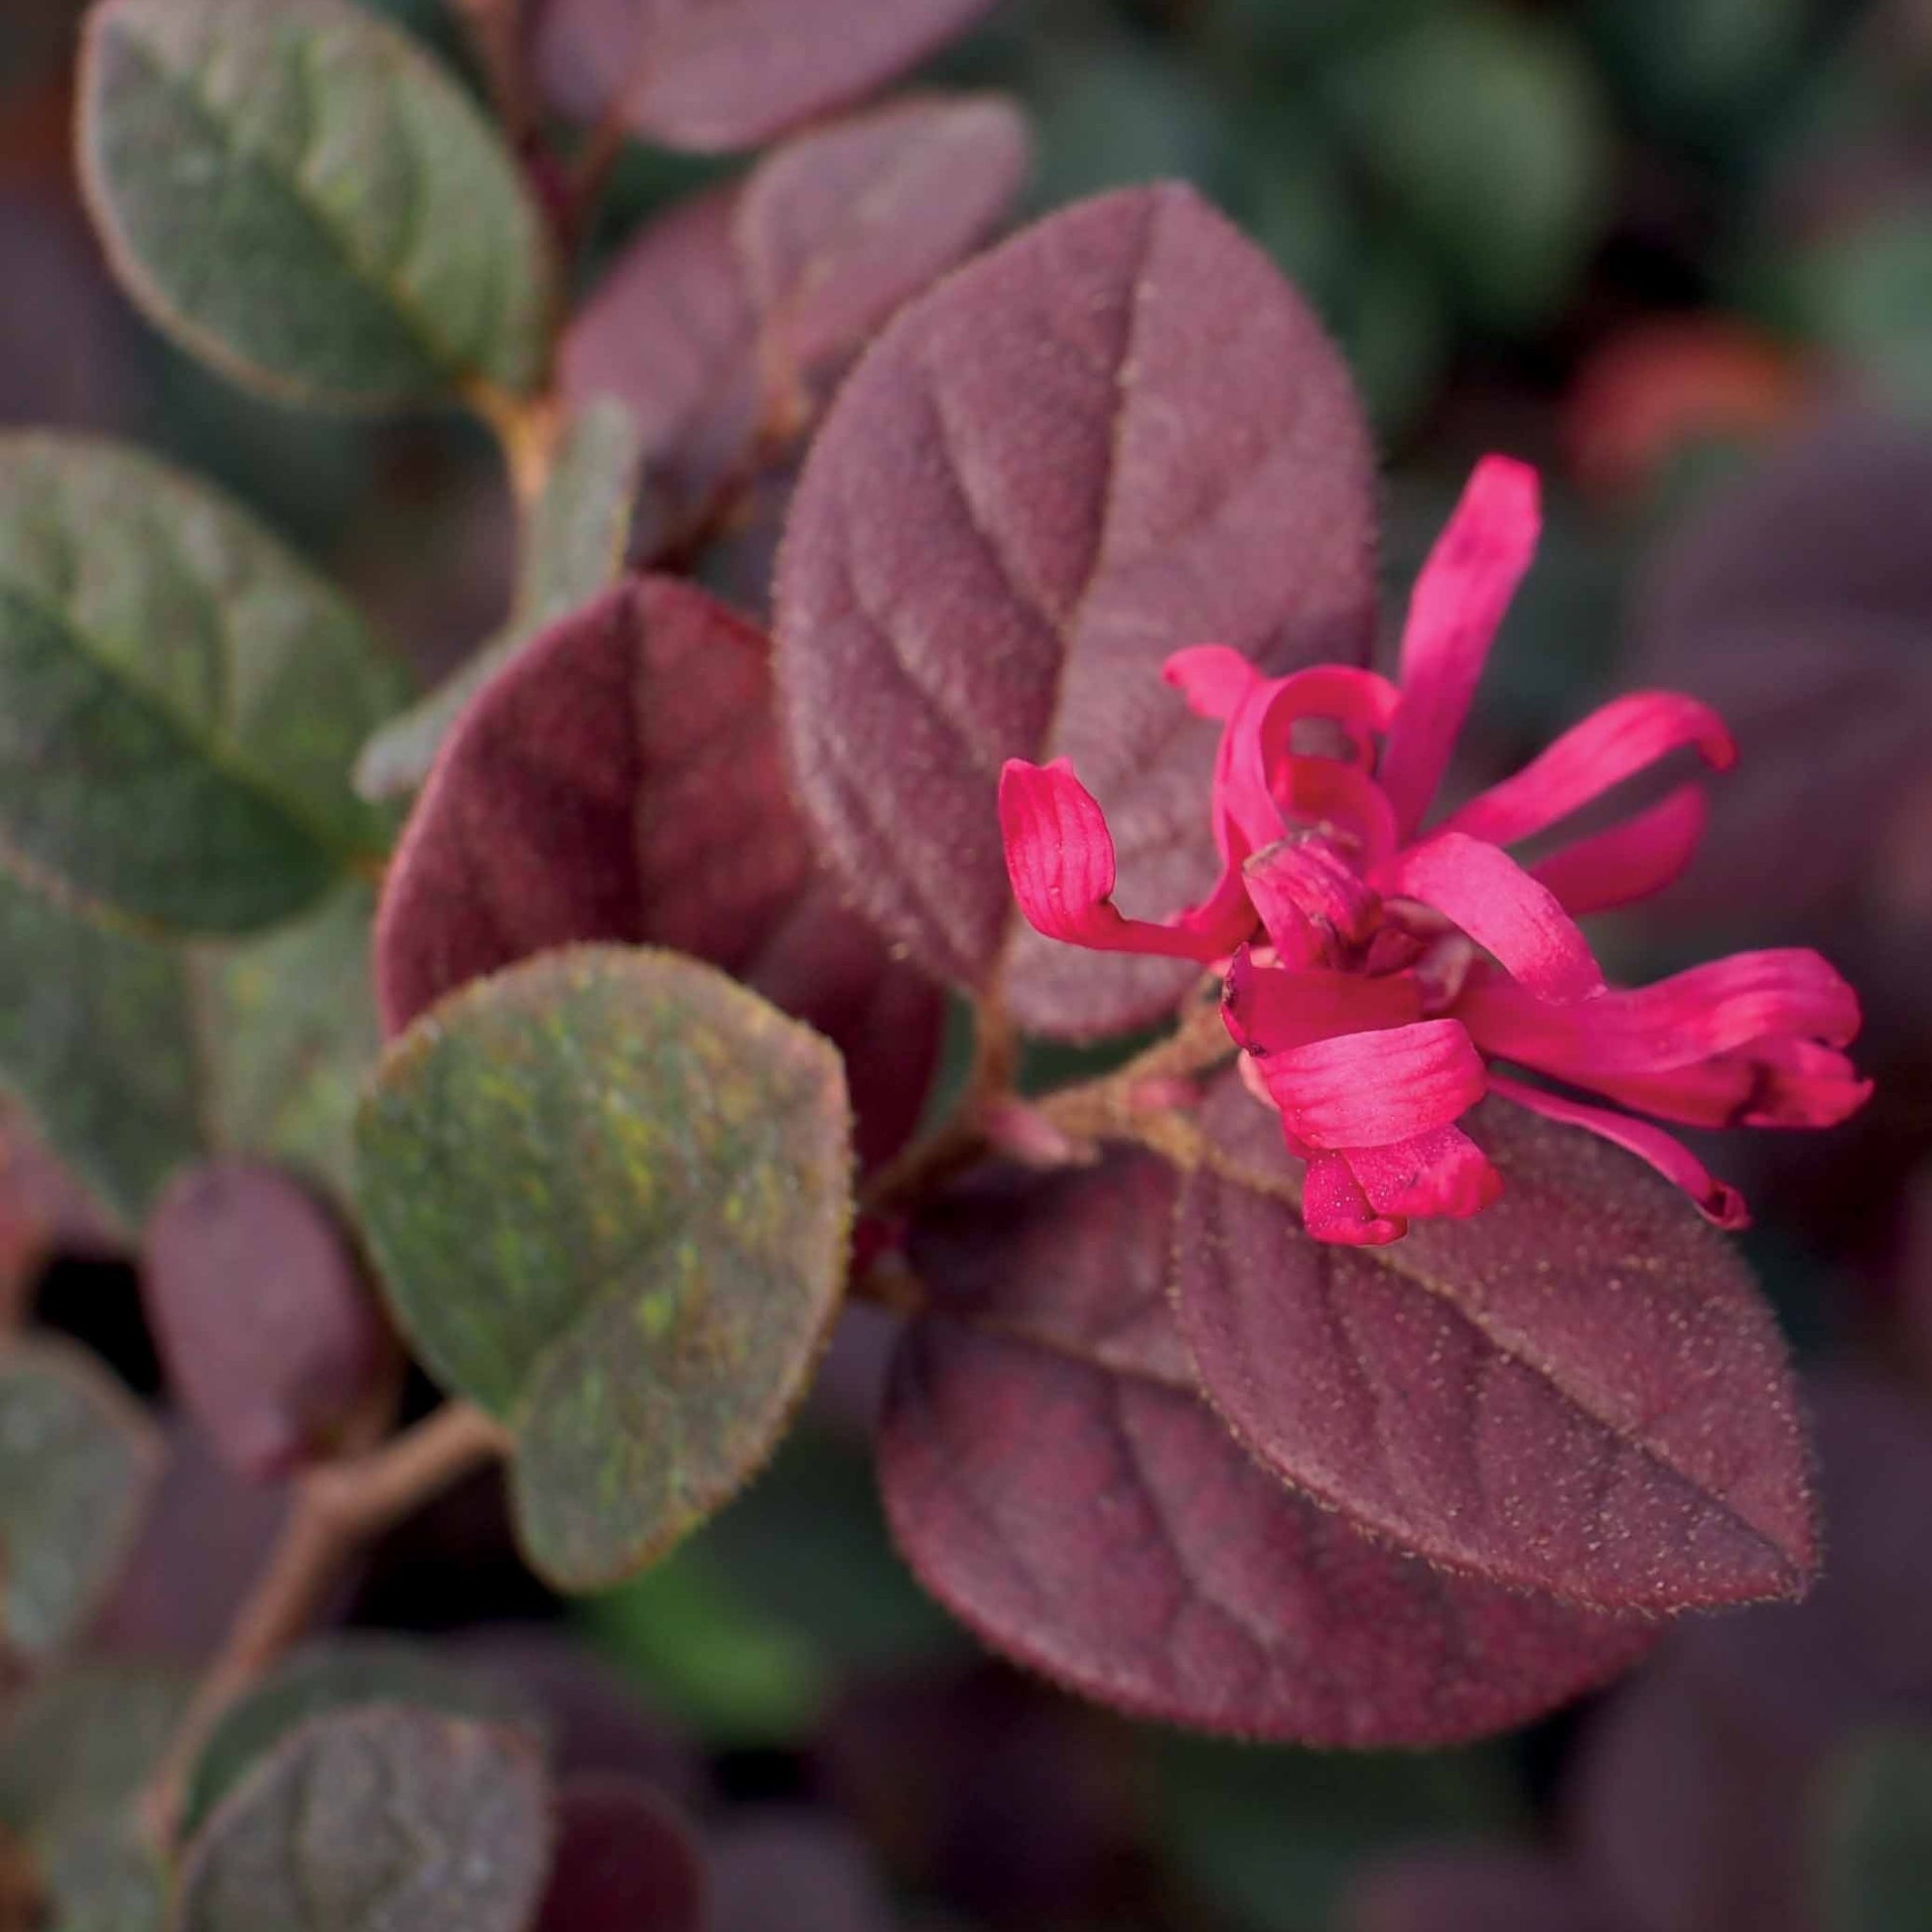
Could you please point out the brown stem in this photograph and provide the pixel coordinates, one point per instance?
(526, 429)
(334, 1510)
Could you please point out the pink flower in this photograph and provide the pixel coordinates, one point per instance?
(1378, 975)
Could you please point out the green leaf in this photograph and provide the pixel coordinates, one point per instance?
(1876, 1813)
(376, 1818)
(180, 696)
(610, 1190)
(573, 547)
(1865, 296)
(344, 1674)
(77, 1464)
(297, 192)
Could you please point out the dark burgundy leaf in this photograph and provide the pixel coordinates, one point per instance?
(1054, 1478)
(1577, 1390)
(1118, 434)
(624, 1861)
(731, 73)
(1471, 1888)
(793, 1870)
(622, 781)
(271, 1336)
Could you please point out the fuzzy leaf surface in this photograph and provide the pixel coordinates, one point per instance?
(610, 1192)
(734, 72)
(626, 1862)
(297, 192)
(622, 782)
(371, 1819)
(1056, 1479)
(1577, 1390)
(1117, 434)
(78, 1461)
(180, 695)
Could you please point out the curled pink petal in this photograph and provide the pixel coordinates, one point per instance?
(1609, 746)
(1480, 888)
(1335, 1210)
(1717, 1200)
(1770, 1083)
(1342, 803)
(1274, 1009)
(1630, 861)
(1213, 679)
(1370, 1089)
(1310, 899)
(1442, 1174)
(1458, 601)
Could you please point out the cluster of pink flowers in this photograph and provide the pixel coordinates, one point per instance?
(1377, 974)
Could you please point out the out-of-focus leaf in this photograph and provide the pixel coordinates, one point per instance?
(1486, 130)
(73, 1754)
(1578, 1390)
(365, 1820)
(1876, 1813)
(1054, 1478)
(78, 1464)
(793, 1869)
(573, 547)
(1114, 112)
(1863, 297)
(44, 1210)
(345, 1674)
(734, 72)
(1470, 1888)
(270, 1335)
(622, 782)
(1050, 472)
(181, 695)
(625, 1862)
(610, 1191)
(1706, 70)
(296, 192)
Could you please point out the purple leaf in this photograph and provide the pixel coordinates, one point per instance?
(622, 781)
(1470, 1889)
(1118, 434)
(271, 1336)
(731, 73)
(624, 1861)
(1577, 1390)
(793, 1869)
(1054, 1478)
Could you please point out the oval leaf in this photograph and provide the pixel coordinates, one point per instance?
(611, 1195)
(180, 696)
(626, 1862)
(295, 192)
(1118, 434)
(622, 780)
(77, 1464)
(734, 72)
(366, 1820)
(1576, 1390)
(1056, 1479)
(271, 1338)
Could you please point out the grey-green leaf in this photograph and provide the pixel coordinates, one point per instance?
(1875, 1814)
(298, 194)
(610, 1190)
(181, 697)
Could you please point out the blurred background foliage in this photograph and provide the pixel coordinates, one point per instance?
(1648, 245)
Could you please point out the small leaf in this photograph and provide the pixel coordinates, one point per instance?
(345, 1674)
(1877, 1821)
(626, 1862)
(1117, 434)
(180, 696)
(1056, 1479)
(573, 547)
(609, 1193)
(270, 1335)
(365, 1820)
(297, 192)
(77, 1464)
(1577, 1390)
(735, 72)
(622, 782)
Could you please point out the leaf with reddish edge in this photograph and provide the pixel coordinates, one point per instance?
(622, 781)
(1054, 1478)
(1471, 1888)
(270, 1335)
(1576, 1390)
(731, 73)
(1118, 434)
(625, 1862)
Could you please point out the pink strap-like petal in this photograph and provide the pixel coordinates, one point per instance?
(1310, 901)
(1458, 601)
(1717, 1200)
(1628, 862)
(1609, 746)
(1273, 1010)
(1443, 1173)
(1213, 679)
(1370, 1089)
(1335, 1210)
(1343, 803)
(1480, 888)
(1716, 1008)
(1770, 1083)
(1060, 859)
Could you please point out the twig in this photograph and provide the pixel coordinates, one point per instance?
(496, 31)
